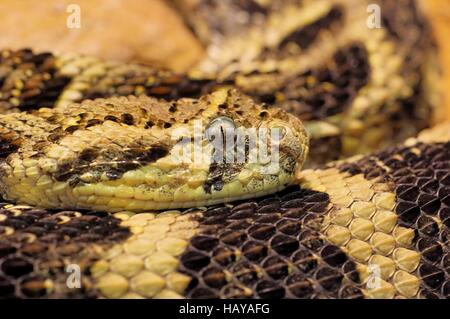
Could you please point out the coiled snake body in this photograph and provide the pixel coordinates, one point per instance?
(82, 181)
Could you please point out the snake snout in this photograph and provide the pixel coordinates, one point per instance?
(293, 140)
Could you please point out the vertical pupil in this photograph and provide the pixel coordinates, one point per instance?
(220, 127)
(220, 133)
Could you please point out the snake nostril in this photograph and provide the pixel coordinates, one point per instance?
(263, 115)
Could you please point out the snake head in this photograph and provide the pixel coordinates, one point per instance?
(140, 153)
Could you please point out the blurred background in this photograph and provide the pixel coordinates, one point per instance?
(145, 31)
(127, 30)
(439, 14)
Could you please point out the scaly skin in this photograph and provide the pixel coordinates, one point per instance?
(356, 89)
(374, 226)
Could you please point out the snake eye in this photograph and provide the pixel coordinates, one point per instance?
(219, 126)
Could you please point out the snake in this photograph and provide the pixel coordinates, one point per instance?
(98, 201)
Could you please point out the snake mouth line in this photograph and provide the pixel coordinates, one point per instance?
(136, 205)
(135, 191)
(125, 196)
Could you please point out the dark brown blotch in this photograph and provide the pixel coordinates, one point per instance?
(9, 143)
